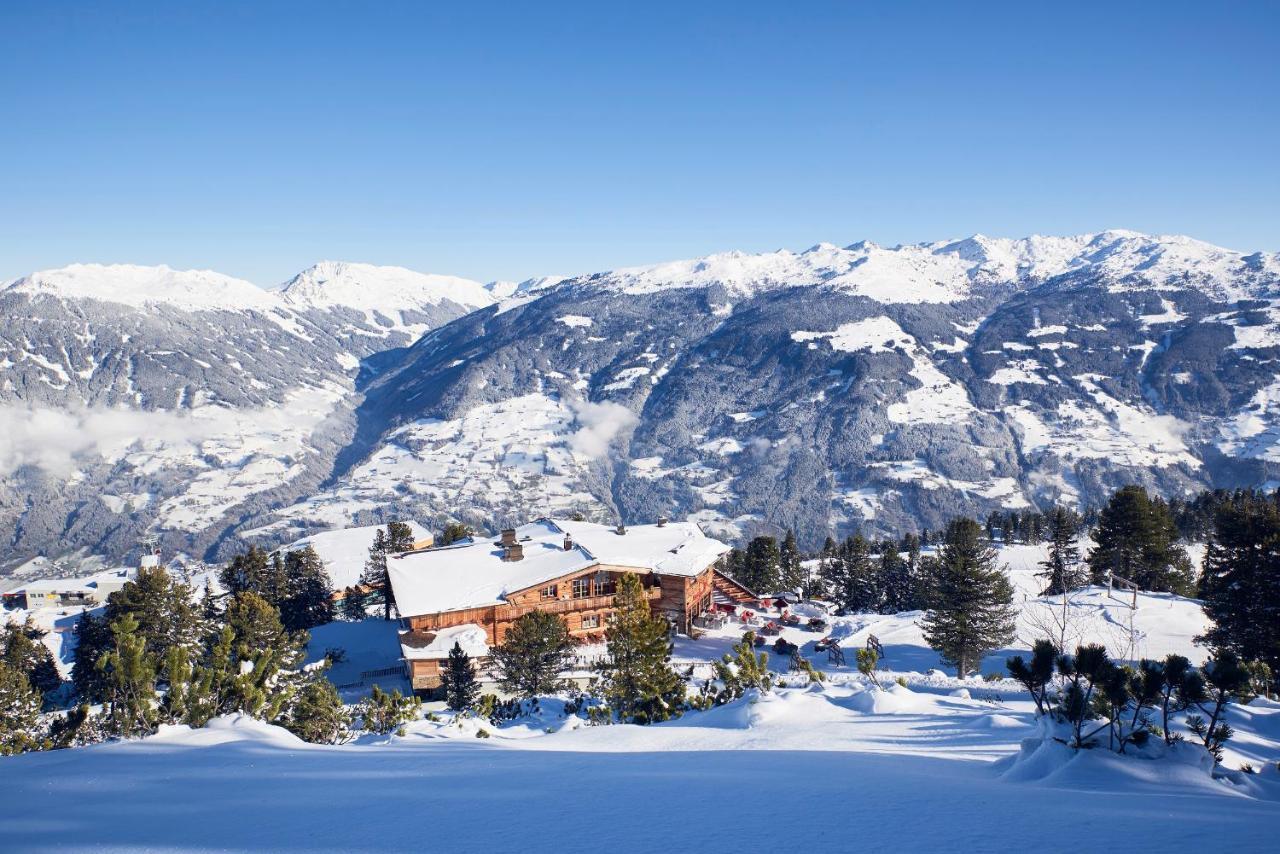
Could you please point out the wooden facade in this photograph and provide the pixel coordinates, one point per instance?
(584, 599)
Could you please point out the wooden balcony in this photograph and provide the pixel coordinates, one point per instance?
(565, 606)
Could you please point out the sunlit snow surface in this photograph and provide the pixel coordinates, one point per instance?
(927, 767)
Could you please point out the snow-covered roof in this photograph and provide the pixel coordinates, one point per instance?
(475, 575)
(344, 551)
(74, 585)
(427, 645)
(675, 548)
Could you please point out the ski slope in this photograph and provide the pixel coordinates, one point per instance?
(931, 765)
(832, 770)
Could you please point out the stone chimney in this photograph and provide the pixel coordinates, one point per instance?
(508, 536)
(568, 543)
(514, 552)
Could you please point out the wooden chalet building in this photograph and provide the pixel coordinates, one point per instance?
(471, 592)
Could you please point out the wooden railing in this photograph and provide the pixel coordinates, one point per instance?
(561, 606)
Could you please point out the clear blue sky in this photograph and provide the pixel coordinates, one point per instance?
(506, 141)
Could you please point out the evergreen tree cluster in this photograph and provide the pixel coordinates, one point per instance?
(1136, 539)
(864, 576)
(452, 533)
(1241, 582)
(767, 566)
(296, 583)
(155, 656)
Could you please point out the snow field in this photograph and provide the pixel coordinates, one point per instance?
(935, 764)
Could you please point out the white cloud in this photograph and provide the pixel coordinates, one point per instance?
(598, 424)
(54, 440)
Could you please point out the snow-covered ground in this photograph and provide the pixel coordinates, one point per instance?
(839, 769)
(524, 457)
(932, 765)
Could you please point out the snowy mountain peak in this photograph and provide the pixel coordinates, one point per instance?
(139, 286)
(369, 287)
(947, 271)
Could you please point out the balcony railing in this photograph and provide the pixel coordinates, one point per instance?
(562, 606)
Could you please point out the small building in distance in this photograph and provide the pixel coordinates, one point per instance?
(87, 592)
(474, 590)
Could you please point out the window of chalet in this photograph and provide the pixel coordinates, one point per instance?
(606, 584)
(591, 621)
(550, 592)
(582, 587)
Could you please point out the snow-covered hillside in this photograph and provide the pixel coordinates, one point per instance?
(391, 299)
(146, 400)
(823, 771)
(866, 388)
(887, 388)
(837, 767)
(138, 286)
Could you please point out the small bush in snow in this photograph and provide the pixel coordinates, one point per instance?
(384, 713)
(743, 670)
(867, 661)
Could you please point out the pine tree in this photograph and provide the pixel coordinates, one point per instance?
(792, 572)
(246, 572)
(93, 638)
(210, 613)
(1241, 584)
(1062, 568)
(309, 594)
(399, 537)
(1037, 675)
(318, 715)
(734, 563)
(858, 589)
(461, 687)
(453, 532)
(353, 605)
(1226, 680)
(637, 680)
(176, 675)
(760, 566)
(533, 655)
(742, 670)
(895, 582)
(130, 673)
(212, 688)
(375, 571)
(263, 657)
(970, 599)
(22, 647)
(1135, 539)
(19, 712)
(163, 608)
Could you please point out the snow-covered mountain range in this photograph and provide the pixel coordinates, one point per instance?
(826, 390)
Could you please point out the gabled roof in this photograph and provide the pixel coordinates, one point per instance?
(345, 550)
(474, 574)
